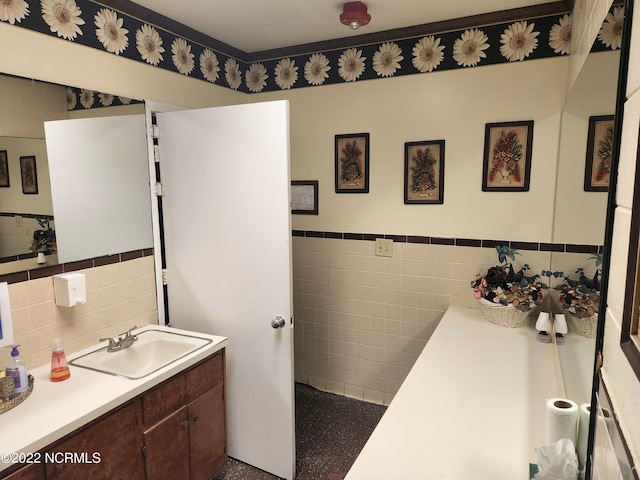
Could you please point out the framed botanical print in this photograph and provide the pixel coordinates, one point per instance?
(4, 169)
(507, 156)
(29, 175)
(599, 150)
(424, 172)
(352, 163)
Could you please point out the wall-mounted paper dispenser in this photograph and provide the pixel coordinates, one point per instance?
(70, 289)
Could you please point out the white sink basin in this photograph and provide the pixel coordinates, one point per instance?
(153, 350)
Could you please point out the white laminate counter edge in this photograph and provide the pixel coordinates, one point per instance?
(54, 410)
(472, 406)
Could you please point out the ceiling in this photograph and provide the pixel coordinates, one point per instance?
(259, 25)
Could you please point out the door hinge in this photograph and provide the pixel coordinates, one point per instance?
(156, 153)
(155, 131)
(164, 276)
(159, 189)
(143, 450)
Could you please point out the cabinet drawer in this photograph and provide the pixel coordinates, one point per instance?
(205, 376)
(162, 401)
(178, 391)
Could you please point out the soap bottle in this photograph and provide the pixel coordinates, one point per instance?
(17, 369)
(59, 366)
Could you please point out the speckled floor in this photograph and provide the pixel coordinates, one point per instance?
(330, 432)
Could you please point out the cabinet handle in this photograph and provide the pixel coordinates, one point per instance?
(185, 424)
(195, 418)
(60, 468)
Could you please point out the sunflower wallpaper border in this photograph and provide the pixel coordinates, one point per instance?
(87, 23)
(352, 163)
(424, 172)
(599, 151)
(507, 156)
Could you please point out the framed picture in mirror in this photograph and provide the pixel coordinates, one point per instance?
(599, 151)
(507, 156)
(29, 175)
(4, 169)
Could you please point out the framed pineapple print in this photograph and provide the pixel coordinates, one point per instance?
(424, 172)
(352, 163)
(507, 156)
(599, 150)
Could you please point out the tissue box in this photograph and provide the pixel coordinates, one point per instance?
(70, 289)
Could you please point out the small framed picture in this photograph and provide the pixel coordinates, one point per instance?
(29, 175)
(4, 169)
(507, 156)
(424, 172)
(352, 163)
(599, 150)
(304, 197)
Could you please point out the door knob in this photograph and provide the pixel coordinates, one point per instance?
(278, 322)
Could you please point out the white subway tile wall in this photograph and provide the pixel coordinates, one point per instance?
(362, 320)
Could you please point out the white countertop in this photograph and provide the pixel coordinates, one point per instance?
(55, 409)
(472, 406)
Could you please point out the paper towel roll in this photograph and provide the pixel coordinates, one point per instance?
(562, 420)
(583, 433)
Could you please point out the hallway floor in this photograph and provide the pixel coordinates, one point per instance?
(330, 432)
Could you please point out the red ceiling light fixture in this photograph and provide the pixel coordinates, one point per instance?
(354, 14)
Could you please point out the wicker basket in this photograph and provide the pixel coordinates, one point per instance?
(586, 326)
(16, 399)
(505, 316)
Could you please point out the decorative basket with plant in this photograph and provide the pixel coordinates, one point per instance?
(580, 299)
(507, 296)
(44, 240)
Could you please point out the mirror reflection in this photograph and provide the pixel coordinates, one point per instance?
(102, 150)
(21, 215)
(580, 218)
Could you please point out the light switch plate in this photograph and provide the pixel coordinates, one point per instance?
(384, 247)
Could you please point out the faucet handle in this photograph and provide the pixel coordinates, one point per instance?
(128, 332)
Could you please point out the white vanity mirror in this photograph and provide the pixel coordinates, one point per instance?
(580, 215)
(94, 161)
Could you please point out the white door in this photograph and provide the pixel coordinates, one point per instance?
(228, 256)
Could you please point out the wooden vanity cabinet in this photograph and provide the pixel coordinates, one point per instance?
(114, 438)
(176, 430)
(184, 424)
(30, 472)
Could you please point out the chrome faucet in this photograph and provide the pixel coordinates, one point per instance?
(122, 341)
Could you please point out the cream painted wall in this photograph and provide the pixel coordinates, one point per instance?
(586, 20)
(36, 55)
(449, 105)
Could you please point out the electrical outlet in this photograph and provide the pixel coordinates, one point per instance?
(18, 220)
(384, 247)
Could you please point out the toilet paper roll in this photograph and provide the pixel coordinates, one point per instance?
(583, 433)
(562, 420)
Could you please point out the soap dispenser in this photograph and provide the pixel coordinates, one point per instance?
(59, 366)
(17, 369)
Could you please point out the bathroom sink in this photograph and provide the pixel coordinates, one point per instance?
(153, 350)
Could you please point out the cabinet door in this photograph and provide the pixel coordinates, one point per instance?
(30, 472)
(107, 449)
(166, 447)
(207, 434)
